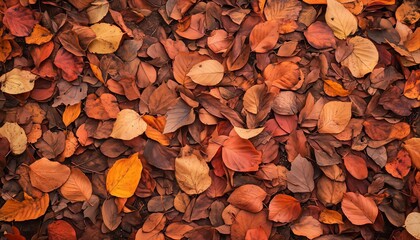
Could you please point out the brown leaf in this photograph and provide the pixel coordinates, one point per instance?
(330, 192)
(301, 176)
(320, 36)
(334, 117)
(308, 227)
(71, 66)
(400, 165)
(248, 197)
(179, 115)
(330, 217)
(182, 64)
(284, 75)
(103, 108)
(110, 215)
(263, 37)
(282, 9)
(256, 234)
(192, 174)
(77, 187)
(19, 20)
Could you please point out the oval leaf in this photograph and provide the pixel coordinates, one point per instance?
(16, 137)
(124, 176)
(356, 166)
(108, 38)
(71, 113)
(78, 187)
(358, 209)
(284, 208)
(264, 36)
(412, 224)
(129, 125)
(341, 21)
(28, 209)
(17, 81)
(248, 197)
(47, 175)
(240, 155)
(364, 57)
(207, 73)
(334, 117)
(300, 178)
(192, 174)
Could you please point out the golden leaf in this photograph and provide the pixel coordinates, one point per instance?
(129, 125)
(71, 113)
(192, 174)
(39, 35)
(341, 21)
(28, 209)
(335, 116)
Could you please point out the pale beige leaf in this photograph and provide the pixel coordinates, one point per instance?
(207, 73)
(47, 175)
(412, 224)
(192, 174)
(97, 10)
(335, 116)
(129, 125)
(16, 137)
(340, 19)
(308, 227)
(364, 57)
(77, 187)
(28, 209)
(248, 133)
(17, 81)
(108, 38)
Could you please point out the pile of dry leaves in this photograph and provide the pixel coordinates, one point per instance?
(206, 120)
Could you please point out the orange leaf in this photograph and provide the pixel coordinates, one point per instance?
(334, 89)
(356, 166)
(284, 75)
(5, 50)
(19, 20)
(71, 66)
(264, 36)
(39, 35)
(240, 155)
(248, 197)
(399, 166)
(284, 208)
(330, 217)
(28, 209)
(103, 108)
(60, 230)
(71, 113)
(358, 209)
(155, 128)
(256, 234)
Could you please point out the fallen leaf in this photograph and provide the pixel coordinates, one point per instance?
(400, 165)
(358, 209)
(356, 166)
(27, 209)
(263, 36)
(16, 137)
(60, 230)
(248, 197)
(320, 36)
(71, 66)
(334, 89)
(124, 176)
(240, 155)
(244, 221)
(328, 216)
(300, 178)
(128, 125)
(207, 73)
(71, 113)
(307, 226)
(39, 35)
(192, 174)
(110, 215)
(256, 234)
(248, 133)
(182, 65)
(97, 10)
(330, 192)
(14, 235)
(341, 21)
(19, 20)
(51, 144)
(407, 12)
(178, 115)
(17, 81)
(177, 230)
(103, 108)
(284, 208)
(155, 128)
(108, 38)
(363, 58)
(412, 146)
(412, 224)
(47, 175)
(77, 187)
(5, 50)
(284, 75)
(334, 117)
(282, 9)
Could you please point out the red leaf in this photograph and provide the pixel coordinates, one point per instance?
(19, 20)
(61, 230)
(284, 208)
(358, 209)
(356, 166)
(71, 66)
(240, 155)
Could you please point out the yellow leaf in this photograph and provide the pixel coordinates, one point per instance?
(108, 38)
(16, 137)
(39, 35)
(155, 128)
(334, 117)
(71, 113)
(77, 187)
(17, 81)
(412, 224)
(192, 174)
(330, 217)
(248, 133)
(341, 21)
(124, 176)
(364, 57)
(334, 89)
(412, 146)
(97, 72)
(97, 11)
(207, 73)
(28, 209)
(129, 125)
